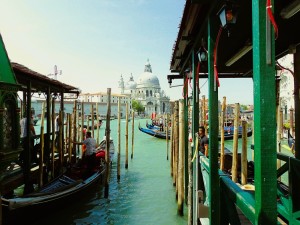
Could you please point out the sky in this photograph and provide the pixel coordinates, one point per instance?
(94, 42)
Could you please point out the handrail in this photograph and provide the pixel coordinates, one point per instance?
(245, 200)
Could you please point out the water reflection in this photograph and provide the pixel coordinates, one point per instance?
(145, 194)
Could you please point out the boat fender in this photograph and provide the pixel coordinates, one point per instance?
(100, 154)
(190, 137)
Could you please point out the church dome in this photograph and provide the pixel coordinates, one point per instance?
(147, 78)
(131, 84)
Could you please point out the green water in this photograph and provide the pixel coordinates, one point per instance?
(145, 194)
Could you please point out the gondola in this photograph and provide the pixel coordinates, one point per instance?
(154, 133)
(152, 126)
(70, 186)
(230, 129)
(102, 146)
(229, 136)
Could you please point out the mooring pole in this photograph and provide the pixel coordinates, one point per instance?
(119, 140)
(107, 155)
(126, 137)
(132, 137)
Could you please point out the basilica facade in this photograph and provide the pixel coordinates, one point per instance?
(147, 91)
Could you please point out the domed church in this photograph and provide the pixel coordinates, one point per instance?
(147, 91)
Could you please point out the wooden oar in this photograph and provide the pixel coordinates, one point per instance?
(41, 158)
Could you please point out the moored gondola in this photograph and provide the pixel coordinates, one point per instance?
(154, 132)
(68, 187)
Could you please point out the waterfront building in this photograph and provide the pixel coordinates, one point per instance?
(89, 99)
(101, 99)
(287, 101)
(147, 91)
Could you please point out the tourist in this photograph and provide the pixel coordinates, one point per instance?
(203, 141)
(161, 124)
(89, 155)
(24, 139)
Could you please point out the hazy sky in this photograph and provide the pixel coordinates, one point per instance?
(93, 42)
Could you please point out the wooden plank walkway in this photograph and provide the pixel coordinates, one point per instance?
(244, 220)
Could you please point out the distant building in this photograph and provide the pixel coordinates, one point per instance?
(101, 99)
(286, 83)
(147, 91)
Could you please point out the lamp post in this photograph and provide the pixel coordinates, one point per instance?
(202, 55)
(228, 15)
(56, 71)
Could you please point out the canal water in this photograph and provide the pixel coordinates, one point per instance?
(144, 195)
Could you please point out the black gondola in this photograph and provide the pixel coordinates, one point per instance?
(229, 136)
(154, 132)
(162, 135)
(64, 189)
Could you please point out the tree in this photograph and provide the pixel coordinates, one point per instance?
(243, 107)
(137, 106)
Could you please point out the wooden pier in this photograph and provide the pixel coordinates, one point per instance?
(214, 43)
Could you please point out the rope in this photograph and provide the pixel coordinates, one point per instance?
(215, 56)
(196, 150)
(185, 86)
(271, 18)
(284, 68)
(197, 76)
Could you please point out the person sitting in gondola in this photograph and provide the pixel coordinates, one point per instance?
(89, 156)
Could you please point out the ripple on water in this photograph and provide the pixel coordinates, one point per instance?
(145, 194)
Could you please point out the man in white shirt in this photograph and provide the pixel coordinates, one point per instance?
(89, 156)
(24, 138)
(161, 124)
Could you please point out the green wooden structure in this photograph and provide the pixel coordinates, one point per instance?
(9, 112)
(16, 78)
(247, 46)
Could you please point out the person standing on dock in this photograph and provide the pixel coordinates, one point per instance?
(203, 141)
(24, 138)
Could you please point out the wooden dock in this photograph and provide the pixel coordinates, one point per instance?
(244, 220)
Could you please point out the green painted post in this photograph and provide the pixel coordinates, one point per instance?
(297, 101)
(214, 185)
(195, 128)
(195, 116)
(264, 115)
(186, 145)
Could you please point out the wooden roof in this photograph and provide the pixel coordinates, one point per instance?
(192, 34)
(39, 82)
